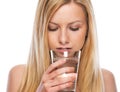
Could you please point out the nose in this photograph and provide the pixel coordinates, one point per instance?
(63, 37)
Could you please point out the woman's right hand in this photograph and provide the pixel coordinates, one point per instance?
(53, 82)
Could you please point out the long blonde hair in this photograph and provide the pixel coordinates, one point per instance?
(90, 77)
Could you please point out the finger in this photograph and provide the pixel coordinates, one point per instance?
(60, 71)
(51, 87)
(61, 87)
(59, 83)
(47, 86)
(51, 68)
(55, 65)
(64, 79)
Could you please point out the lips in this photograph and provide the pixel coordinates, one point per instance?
(61, 49)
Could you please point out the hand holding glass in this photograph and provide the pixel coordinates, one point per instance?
(72, 60)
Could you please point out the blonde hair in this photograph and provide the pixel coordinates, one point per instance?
(90, 77)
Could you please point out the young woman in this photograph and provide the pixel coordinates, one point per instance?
(62, 25)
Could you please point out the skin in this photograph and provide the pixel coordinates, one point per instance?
(67, 27)
(17, 72)
(66, 31)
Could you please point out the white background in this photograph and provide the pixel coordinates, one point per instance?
(16, 24)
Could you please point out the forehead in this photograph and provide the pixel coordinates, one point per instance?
(69, 12)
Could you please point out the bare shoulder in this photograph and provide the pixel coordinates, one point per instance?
(109, 81)
(14, 78)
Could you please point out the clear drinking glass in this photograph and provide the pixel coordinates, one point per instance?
(73, 60)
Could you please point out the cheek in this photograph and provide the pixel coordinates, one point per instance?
(51, 41)
(79, 40)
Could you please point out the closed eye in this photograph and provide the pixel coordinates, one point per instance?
(52, 29)
(74, 28)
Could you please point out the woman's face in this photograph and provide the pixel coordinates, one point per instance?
(67, 28)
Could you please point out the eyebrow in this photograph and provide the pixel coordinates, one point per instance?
(68, 23)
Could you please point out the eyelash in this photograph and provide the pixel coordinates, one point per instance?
(55, 29)
(74, 29)
(52, 29)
